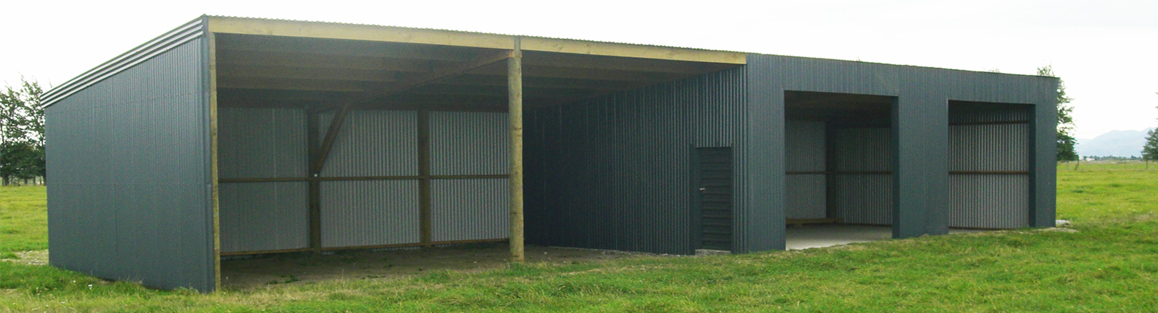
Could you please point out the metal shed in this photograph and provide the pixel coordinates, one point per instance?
(238, 135)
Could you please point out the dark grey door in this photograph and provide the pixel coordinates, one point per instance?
(713, 183)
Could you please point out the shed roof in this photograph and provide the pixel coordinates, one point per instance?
(284, 63)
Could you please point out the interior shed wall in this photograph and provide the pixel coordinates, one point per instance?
(130, 169)
(262, 143)
(988, 164)
(469, 143)
(371, 195)
(614, 172)
(862, 181)
(806, 179)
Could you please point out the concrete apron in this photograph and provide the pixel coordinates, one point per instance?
(819, 236)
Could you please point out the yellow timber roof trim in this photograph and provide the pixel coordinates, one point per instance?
(251, 26)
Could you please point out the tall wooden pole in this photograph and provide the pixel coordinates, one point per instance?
(515, 95)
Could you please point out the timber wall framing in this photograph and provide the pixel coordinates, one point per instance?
(393, 178)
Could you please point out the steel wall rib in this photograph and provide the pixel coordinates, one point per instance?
(129, 197)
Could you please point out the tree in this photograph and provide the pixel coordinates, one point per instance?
(21, 132)
(1066, 143)
(1150, 150)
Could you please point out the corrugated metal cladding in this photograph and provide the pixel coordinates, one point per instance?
(469, 143)
(128, 156)
(262, 143)
(804, 148)
(989, 200)
(862, 182)
(614, 172)
(469, 209)
(761, 221)
(369, 213)
(263, 216)
(373, 143)
(993, 147)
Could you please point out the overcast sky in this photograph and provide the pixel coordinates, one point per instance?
(1104, 50)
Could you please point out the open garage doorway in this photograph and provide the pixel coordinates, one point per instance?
(839, 168)
(990, 149)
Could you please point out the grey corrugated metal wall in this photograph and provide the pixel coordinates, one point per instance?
(469, 143)
(862, 186)
(369, 213)
(469, 209)
(128, 157)
(805, 159)
(988, 158)
(373, 143)
(262, 143)
(920, 125)
(614, 172)
(376, 211)
(611, 172)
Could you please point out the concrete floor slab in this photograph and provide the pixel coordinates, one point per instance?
(827, 235)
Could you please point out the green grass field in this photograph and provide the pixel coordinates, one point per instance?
(1109, 264)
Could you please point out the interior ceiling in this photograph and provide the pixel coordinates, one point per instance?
(273, 71)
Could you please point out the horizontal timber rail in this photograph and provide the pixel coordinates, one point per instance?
(402, 245)
(988, 172)
(988, 123)
(347, 178)
(890, 173)
(842, 173)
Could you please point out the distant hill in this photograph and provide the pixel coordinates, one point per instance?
(1122, 143)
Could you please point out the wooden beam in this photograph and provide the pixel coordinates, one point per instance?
(988, 172)
(531, 58)
(534, 82)
(987, 123)
(262, 179)
(292, 84)
(327, 144)
(336, 125)
(436, 90)
(290, 72)
(586, 73)
(476, 62)
(266, 27)
(631, 51)
(215, 194)
(515, 87)
(320, 61)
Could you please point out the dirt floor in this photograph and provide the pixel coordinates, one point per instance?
(254, 271)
